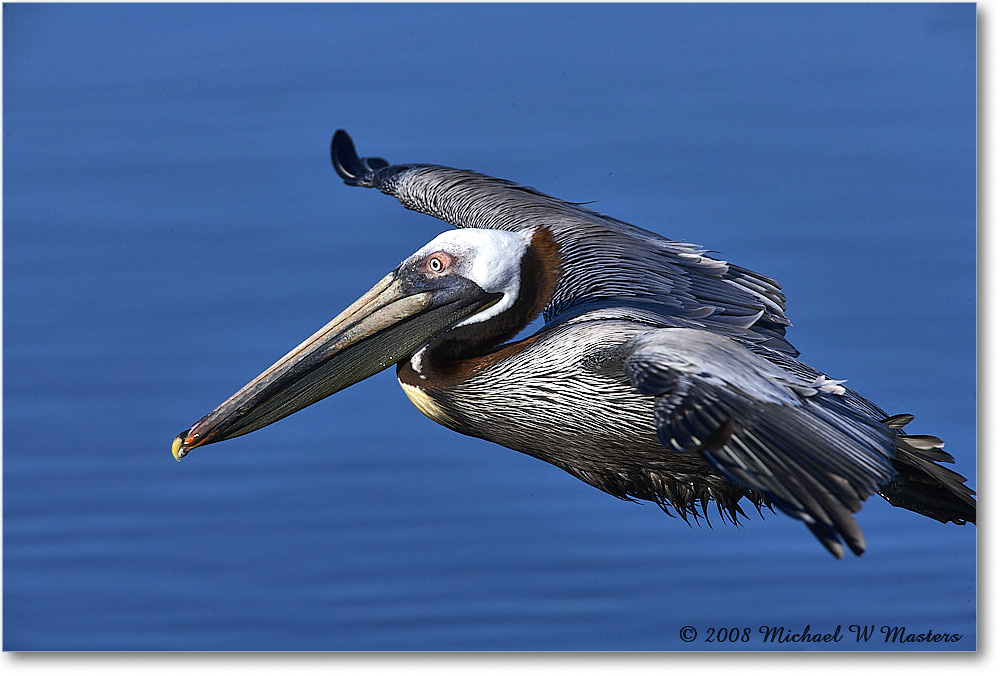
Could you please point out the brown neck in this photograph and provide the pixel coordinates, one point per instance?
(455, 354)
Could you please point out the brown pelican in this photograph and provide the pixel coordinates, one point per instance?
(661, 373)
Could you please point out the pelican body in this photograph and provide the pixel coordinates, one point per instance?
(661, 373)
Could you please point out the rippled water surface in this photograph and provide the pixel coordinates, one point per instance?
(171, 226)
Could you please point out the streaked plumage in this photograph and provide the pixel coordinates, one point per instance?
(661, 373)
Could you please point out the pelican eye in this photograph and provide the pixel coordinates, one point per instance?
(438, 262)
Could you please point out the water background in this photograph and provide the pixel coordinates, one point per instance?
(171, 226)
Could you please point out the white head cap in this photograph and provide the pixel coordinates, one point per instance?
(490, 258)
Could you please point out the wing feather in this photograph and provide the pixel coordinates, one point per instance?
(600, 256)
(814, 456)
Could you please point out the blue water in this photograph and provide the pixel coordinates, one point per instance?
(171, 226)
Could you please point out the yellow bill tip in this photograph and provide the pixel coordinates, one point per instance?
(177, 448)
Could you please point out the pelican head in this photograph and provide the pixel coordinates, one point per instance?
(460, 278)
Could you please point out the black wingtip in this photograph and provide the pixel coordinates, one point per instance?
(353, 169)
(344, 157)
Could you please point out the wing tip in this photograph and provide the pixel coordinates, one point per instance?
(355, 170)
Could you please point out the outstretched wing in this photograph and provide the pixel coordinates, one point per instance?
(797, 441)
(602, 258)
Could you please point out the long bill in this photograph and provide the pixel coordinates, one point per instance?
(386, 324)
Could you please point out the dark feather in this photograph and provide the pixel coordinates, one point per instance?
(812, 456)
